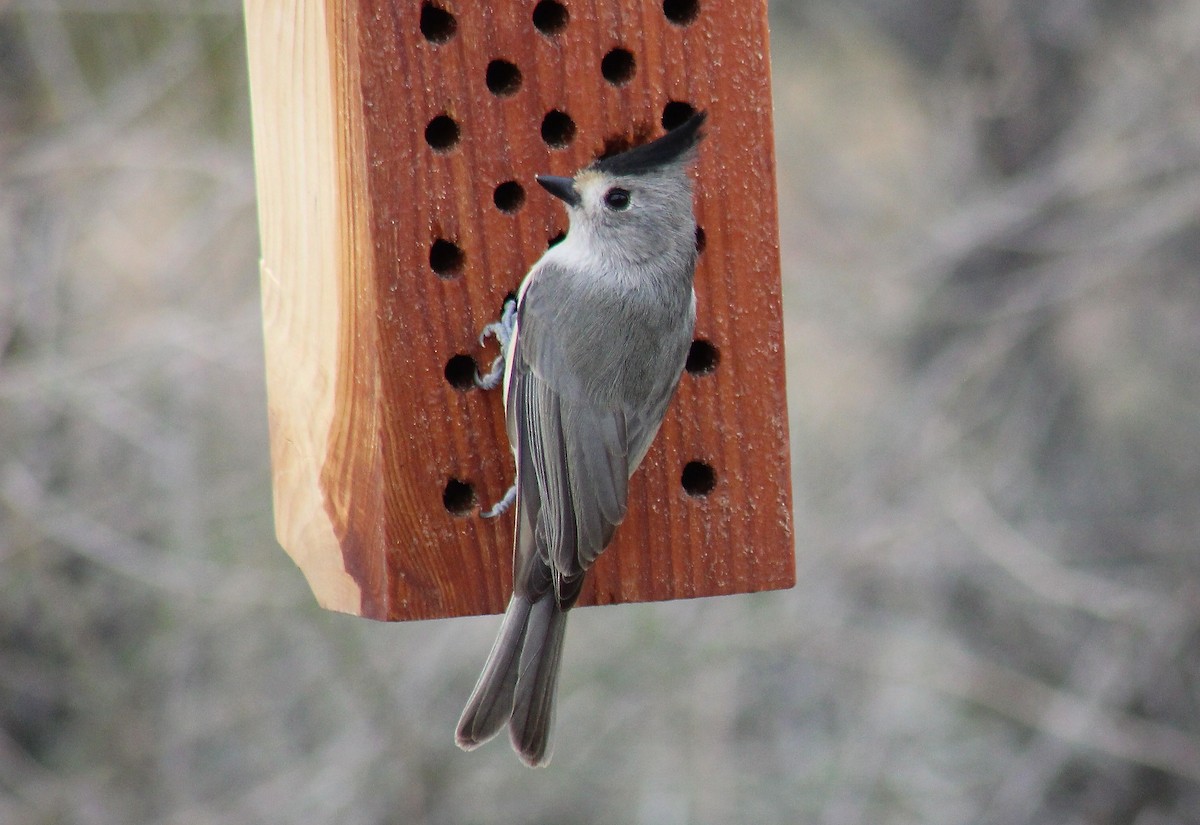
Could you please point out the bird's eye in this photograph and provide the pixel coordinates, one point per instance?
(617, 198)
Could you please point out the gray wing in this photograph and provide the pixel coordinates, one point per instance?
(573, 460)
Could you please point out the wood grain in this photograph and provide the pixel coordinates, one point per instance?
(296, 163)
(366, 428)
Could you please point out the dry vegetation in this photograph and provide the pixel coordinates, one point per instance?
(991, 217)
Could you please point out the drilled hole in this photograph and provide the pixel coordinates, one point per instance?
(503, 78)
(556, 239)
(701, 239)
(702, 358)
(676, 113)
(461, 369)
(615, 145)
(618, 66)
(437, 24)
(681, 12)
(446, 258)
(557, 129)
(509, 196)
(698, 478)
(458, 497)
(550, 17)
(442, 133)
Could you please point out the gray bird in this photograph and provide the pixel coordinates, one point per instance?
(602, 329)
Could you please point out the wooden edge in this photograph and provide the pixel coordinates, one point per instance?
(297, 178)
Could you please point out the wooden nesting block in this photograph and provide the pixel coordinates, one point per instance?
(396, 146)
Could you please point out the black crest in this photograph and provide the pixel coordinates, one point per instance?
(649, 156)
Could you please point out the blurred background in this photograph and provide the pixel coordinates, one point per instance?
(991, 223)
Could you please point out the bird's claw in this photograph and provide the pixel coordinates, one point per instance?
(502, 331)
(501, 507)
(492, 378)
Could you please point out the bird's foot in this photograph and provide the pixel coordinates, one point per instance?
(502, 331)
(503, 504)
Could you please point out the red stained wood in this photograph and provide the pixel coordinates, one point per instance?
(401, 432)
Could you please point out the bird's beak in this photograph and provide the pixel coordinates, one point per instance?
(563, 188)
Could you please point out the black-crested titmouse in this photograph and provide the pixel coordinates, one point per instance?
(602, 329)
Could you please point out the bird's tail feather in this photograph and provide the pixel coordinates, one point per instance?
(519, 681)
(491, 703)
(537, 683)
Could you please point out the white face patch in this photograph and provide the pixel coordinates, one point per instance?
(581, 250)
(574, 252)
(591, 186)
(589, 178)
